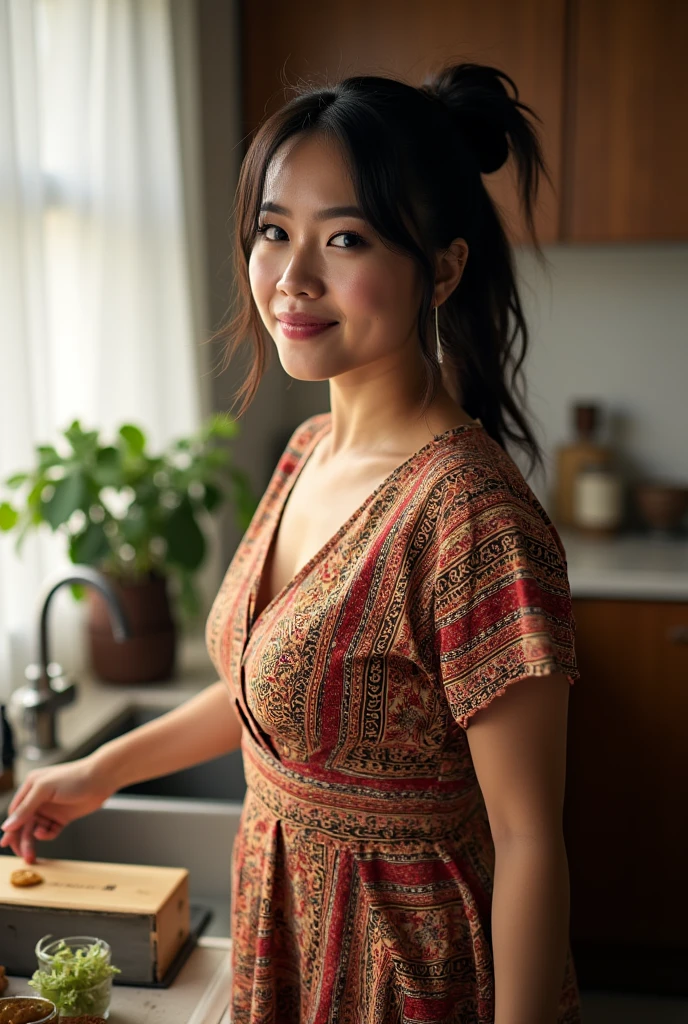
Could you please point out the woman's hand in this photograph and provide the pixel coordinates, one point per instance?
(50, 798)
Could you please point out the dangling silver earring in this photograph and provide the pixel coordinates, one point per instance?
(437, 336)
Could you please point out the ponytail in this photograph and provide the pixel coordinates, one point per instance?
(482, 322)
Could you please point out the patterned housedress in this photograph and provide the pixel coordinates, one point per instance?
(362, 870)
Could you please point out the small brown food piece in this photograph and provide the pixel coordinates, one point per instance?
(3, 980)
(24, 877)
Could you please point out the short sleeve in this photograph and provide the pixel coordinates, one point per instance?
(502, 603)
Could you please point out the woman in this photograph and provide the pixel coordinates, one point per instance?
(400, 855)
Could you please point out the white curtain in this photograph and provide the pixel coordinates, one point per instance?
(97, 305)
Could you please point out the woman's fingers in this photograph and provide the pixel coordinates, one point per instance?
(11, 839)
(46, 828)
(26, 842)
(18, 798)
(27, 807)
(21, 838)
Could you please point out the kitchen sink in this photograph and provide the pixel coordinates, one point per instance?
(219, 779)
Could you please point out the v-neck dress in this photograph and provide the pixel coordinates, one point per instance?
(363, 867)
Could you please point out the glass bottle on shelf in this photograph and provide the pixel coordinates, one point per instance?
(584, 450)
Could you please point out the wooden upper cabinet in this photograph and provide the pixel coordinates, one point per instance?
(625, 142)
(285, 43)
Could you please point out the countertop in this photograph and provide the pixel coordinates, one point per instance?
(198, 995)
(635, 567)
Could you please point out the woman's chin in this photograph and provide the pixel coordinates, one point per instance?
(304, 367)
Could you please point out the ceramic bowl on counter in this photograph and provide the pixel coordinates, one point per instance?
(27, 1010)
(661, 505)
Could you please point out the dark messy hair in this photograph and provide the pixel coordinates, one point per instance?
(416, 157)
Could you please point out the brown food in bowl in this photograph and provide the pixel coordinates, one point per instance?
(86, 1019)
(27, 1010)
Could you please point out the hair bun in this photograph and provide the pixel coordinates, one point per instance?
(475, 95)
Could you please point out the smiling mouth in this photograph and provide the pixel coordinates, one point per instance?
(296, 331)
(307, 323)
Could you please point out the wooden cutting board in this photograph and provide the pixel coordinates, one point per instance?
(141, 911)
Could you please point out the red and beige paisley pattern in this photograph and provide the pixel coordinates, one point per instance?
(362, 871)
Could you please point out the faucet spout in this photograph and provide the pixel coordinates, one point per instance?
(47, 689)
(85, 575)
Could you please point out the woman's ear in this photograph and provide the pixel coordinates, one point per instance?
(449, 266)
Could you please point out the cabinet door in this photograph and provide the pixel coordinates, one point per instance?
(285, 42)
(626, 813)
(625, 145)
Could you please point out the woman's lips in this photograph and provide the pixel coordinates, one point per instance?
(296, 331)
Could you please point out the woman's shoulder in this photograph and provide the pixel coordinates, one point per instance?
(477, 481)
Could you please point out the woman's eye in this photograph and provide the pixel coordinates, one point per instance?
(263, 229)
(349, 234)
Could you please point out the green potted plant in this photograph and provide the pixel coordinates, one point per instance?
(138, 518)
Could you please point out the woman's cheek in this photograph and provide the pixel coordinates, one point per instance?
(259, 281)
(365, 295)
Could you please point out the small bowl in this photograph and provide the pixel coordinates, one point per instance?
(662, 506)
(23, 1004)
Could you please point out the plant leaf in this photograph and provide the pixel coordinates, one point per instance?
(84, 442)
(185, 541)
(133, 437)
(69, 495)
(213, 497)
(47, 457)
(108, 469)
(90, 546)
(16, 480)
(8, 516)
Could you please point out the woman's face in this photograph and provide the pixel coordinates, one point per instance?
(330, 266)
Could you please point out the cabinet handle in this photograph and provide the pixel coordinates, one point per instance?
(678, 634)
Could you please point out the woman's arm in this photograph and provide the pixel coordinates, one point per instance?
(202, 728)
(52, 797)
(518, 747)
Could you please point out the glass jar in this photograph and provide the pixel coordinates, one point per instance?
(597, 499)
(27, 1010)
(81, 1001)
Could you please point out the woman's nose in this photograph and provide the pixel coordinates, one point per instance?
(300, 275)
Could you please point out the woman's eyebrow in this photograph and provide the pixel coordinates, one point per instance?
(329, 213)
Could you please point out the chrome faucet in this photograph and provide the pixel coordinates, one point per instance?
(48, 689)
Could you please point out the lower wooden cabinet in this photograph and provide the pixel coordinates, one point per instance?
(626, 809)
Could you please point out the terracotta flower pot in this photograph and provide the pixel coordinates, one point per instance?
(149, 654)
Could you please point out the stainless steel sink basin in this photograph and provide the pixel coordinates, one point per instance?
(219, 779)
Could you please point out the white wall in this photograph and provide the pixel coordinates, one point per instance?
(610, 323)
